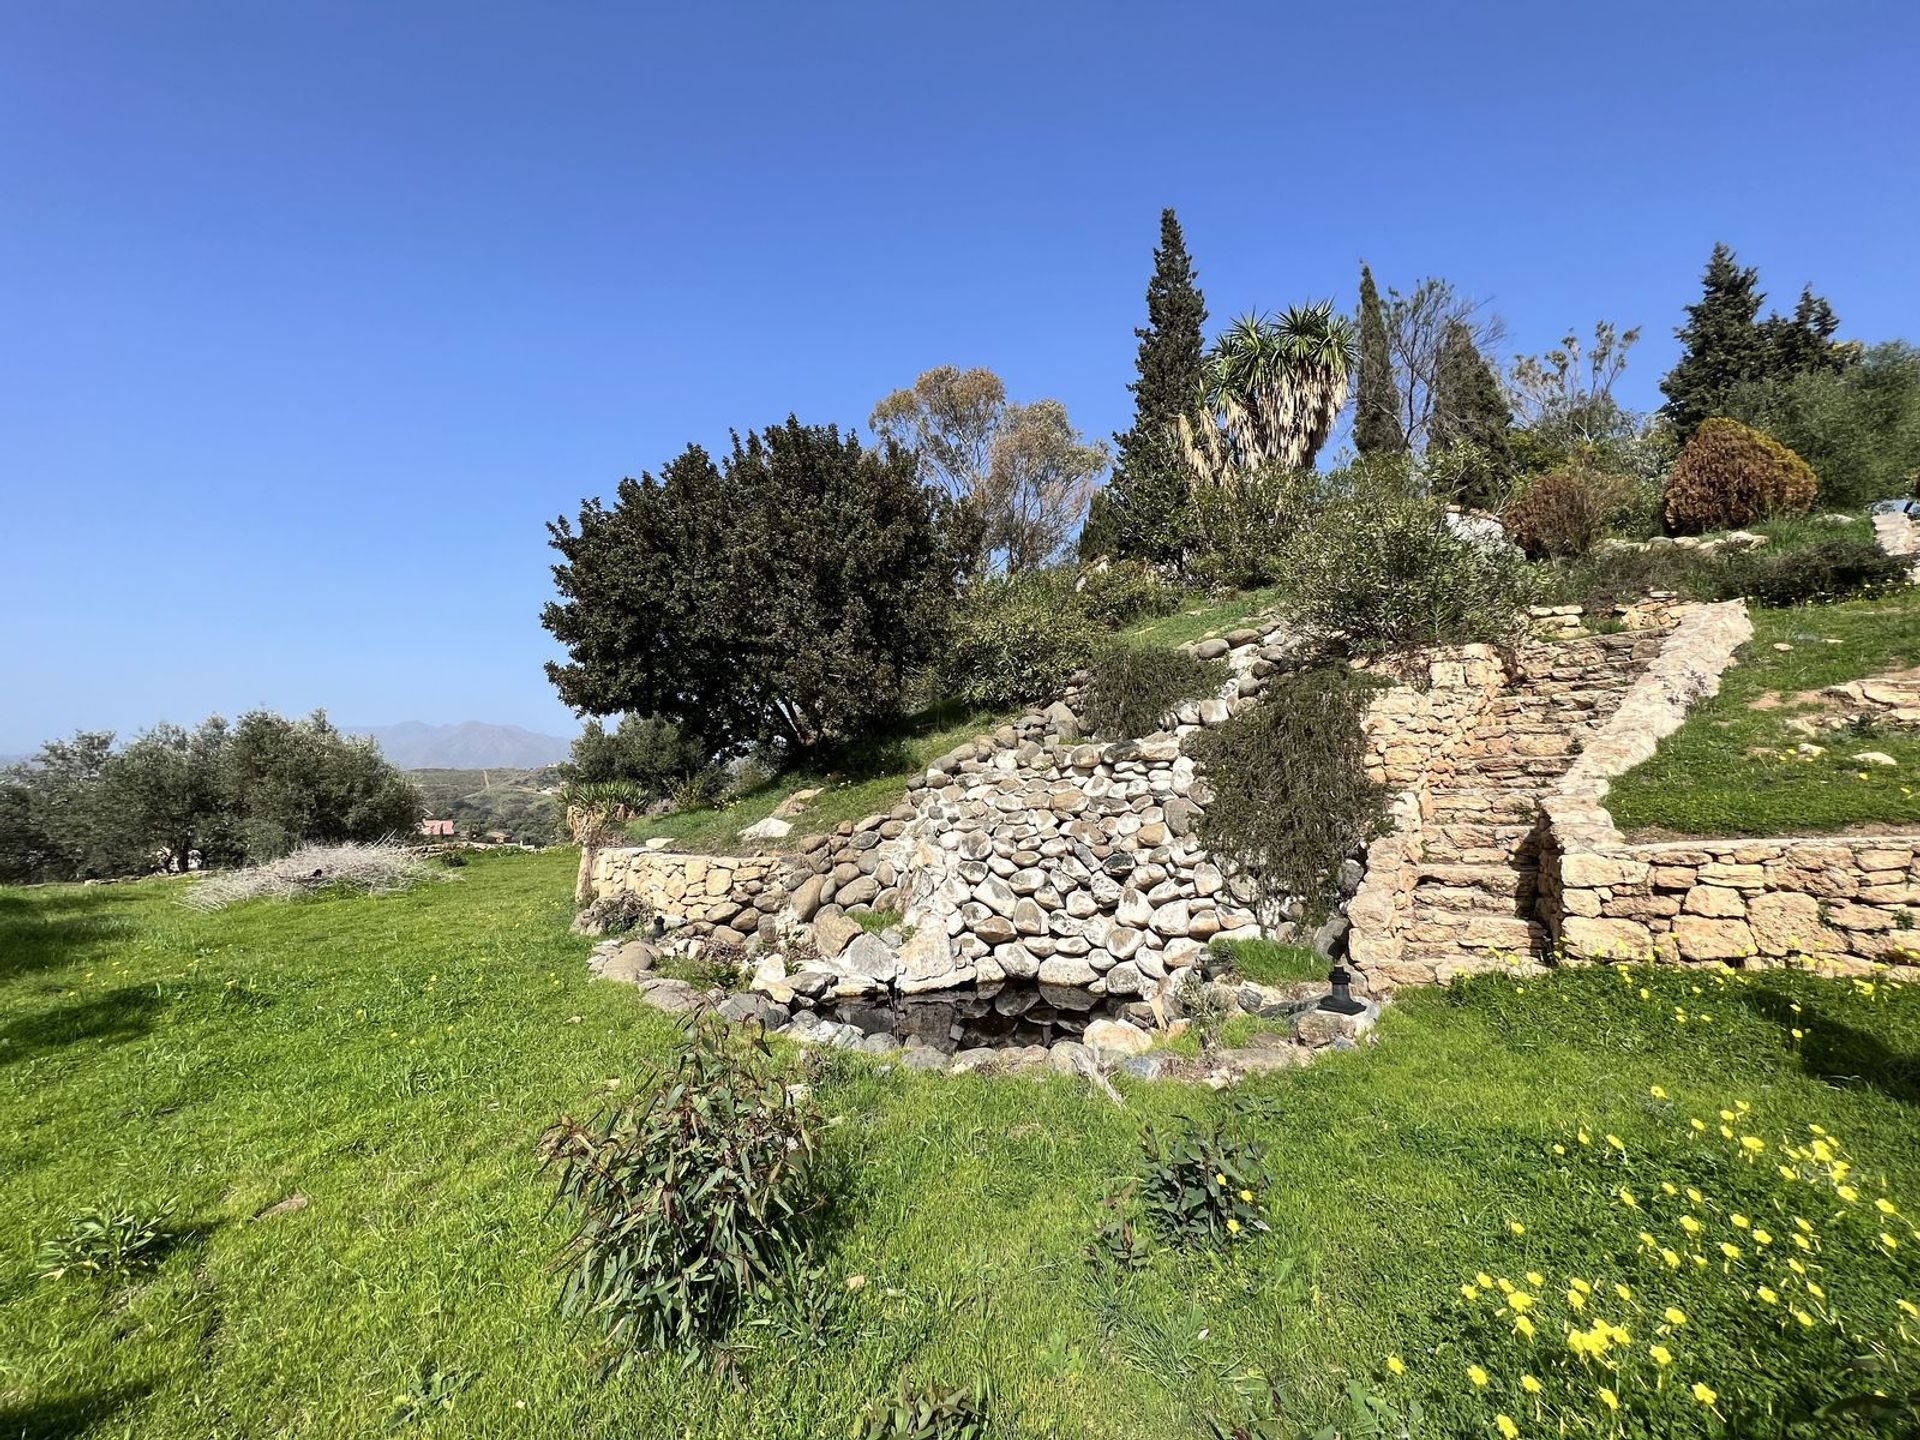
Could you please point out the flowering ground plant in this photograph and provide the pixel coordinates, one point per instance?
(1728, 1279)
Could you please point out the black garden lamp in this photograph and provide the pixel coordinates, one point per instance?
(1341, 1000)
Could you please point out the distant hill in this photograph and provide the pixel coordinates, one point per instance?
(470, 745)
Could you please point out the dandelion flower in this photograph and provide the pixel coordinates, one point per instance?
(1622, 1291)
(1732, 1252)
(1740, 1222)
(1611, 1400)
(1396, 1365)
(1627, 1199)
(1671, 1257)
(1516, 1227)
(1219, 1179)
(1704, 1394)
(1531, 1385)
(1661, 1355)
(1508, 1430)
(1767, 1295)
(1233, 1227)
(1576, 1300)
(1525, 1326)
(1886, 1206)
(1658, 1093)
(1536, 1279)
(1477, 1376)
(1675, 1315)
(1247, 1195)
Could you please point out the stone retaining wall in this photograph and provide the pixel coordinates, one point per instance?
(1845, 901)
(708, 891)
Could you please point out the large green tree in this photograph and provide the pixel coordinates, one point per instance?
(1470, 409)
(1376, 405)
(784, 595)
(1145, 504)
(1726, 345)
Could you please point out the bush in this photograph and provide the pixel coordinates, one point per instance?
(1132, 689)
(689, 1200)
(1828, 570)
(1124, 592)
(1730, 475)
(105, 1242)
(381, 869)
(1606, 577)
(1240, 529)
(1858, 427)
(1387, 573)
(1202, 1188)
(1565, 512)
(1291, 797)
(1013, 641)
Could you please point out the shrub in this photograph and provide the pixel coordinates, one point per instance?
(1013, 641)
(1201, 1188)
(930, 1412)
(1124, 592)
(1827, 570)
(378, 869)
(1240, 529)
(1291, 797)
(1563, 513)
(1387, 573)
(689, 1199)
(1132, 689)
(105, 1242)
(1731, 475)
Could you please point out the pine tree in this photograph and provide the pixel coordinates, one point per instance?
(1724, 344)
(1806, 341)
(1147, 497)
(1469, 406)
(1376, 423)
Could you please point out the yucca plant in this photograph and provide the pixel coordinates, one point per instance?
(1273, 388)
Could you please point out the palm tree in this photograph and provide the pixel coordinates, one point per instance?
(1273, 389)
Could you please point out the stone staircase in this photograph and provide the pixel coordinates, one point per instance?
(1472, 906)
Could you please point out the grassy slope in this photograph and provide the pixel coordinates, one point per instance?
(877, 780)
(1703, 781)
(395, 1059)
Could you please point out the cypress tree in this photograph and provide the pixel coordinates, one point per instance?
(1376, 422)
(1147, 498)
(1469, 405)
(1723, 343)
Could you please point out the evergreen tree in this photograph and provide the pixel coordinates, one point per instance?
(1376, 422)
(1724, 345)
(1805, 343)
(1470, 408)
(1147, 497)
(1727, 344)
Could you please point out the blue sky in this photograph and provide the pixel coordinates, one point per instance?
(314, 315)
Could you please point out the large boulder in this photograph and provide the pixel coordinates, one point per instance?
(833, 933)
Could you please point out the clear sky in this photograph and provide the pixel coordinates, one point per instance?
(311, 316)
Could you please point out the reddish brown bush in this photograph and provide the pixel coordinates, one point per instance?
(1731, 475)
(1560, 514)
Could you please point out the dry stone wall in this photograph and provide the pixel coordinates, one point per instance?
(1844, 902)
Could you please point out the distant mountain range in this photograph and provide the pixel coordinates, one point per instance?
(470, 745)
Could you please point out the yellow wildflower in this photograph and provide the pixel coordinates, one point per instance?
(1611, 1400)
(1233, 1227)
(1247, 1195)
(1622, 1291)
(1658, 1093)
(1396, 1365)
(1732, 1252)
(1704, 1394)
(1576, 1300)
(1477, 1376)
(1675, 1315)
(1672, 1259)
(1767, 1295)
(1508, 1430)
(1740, 1222)
(1627, 1199)
(1531, 1385)
(1661, 1355)
(1524, 1326)
(1516, 1227)
(1695, 1196)
(1536, 1279)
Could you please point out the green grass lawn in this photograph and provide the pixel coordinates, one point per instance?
(1709, 777)
(394, 1060)
(1201, 619)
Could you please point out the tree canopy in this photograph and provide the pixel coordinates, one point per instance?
(783, 595)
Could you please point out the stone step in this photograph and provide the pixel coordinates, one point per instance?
(1465, 900)
(1506, 880)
